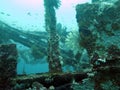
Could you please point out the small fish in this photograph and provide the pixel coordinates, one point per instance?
(13, 24)
(29, 13)
(86, 32)
(2, 12)
(8, 14)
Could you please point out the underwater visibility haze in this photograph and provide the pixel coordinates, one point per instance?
(59, 45)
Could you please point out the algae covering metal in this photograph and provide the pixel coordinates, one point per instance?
(8, 62)
(53, 40)
(99, 33)
(102, 19)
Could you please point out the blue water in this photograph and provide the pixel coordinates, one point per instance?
(28, 68)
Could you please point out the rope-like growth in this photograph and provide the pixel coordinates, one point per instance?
(53, 42)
